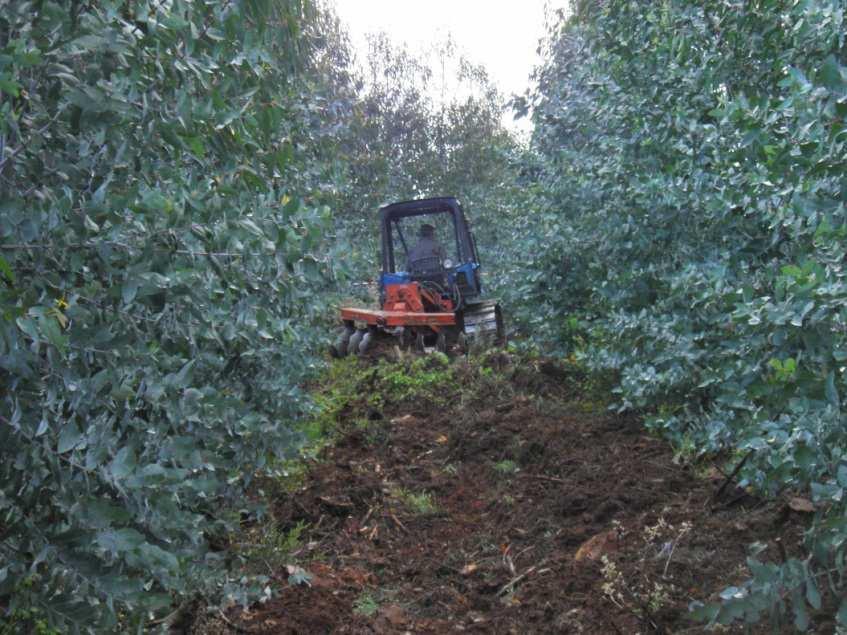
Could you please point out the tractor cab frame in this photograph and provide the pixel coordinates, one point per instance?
(459, 276)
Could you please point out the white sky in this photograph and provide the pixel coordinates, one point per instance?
(502, 36)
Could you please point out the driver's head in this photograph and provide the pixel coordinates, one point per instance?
(426, 231)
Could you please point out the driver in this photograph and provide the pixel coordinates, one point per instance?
(427, 247)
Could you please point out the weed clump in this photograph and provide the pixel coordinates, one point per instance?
(359, 390)
(422, 503)
(366, 605)
(506, 467)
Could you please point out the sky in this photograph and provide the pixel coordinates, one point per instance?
(501, 35)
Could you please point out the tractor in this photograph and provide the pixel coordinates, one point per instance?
(430, 298)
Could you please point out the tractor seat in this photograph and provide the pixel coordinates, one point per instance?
(429, 269)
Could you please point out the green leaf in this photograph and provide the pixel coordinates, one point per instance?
(801, 616)
(88, 42)
(830, 74)
(123, 464)
(797, 320)
(102, 514)
(704, 612)
(252, 227)
(842, 613)
(813, 596)
(69, 438)
(129, 291)
(827, 492)
(9, 87)
(196, 146)
(831, 391)
(51, 328)
(120, 540)
(30, 327)
(90, 224)
(159, 557)
(6, 270)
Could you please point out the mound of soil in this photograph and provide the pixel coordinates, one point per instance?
(517, 515)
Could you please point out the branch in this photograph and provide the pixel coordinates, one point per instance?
(732, 475)
(16, 151)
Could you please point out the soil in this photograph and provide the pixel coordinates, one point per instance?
(518, 511)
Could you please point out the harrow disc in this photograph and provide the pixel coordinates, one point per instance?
(355, 340)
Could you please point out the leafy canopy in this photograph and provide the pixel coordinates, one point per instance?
(692, 159)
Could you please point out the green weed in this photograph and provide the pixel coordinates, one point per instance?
(506, 467)
(428, 377)
(30, 620)
(366, 604)
(274, 545)
(422, 503)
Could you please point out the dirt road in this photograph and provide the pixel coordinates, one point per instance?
(515, 507)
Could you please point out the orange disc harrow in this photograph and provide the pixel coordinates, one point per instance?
(397, 318)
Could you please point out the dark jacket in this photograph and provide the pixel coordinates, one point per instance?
(426, 248)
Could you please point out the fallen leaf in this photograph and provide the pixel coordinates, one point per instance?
(395, 615)
(403, 419)
(292, 569)
(469, 568)
(801, 505)
(441, 439)
(597, 546)
(355, 576)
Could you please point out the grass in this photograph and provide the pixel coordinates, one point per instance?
(422, 503)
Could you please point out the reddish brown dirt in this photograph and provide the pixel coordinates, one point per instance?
(512, 551)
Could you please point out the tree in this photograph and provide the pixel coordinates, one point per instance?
(691, 160)
(158, 258)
